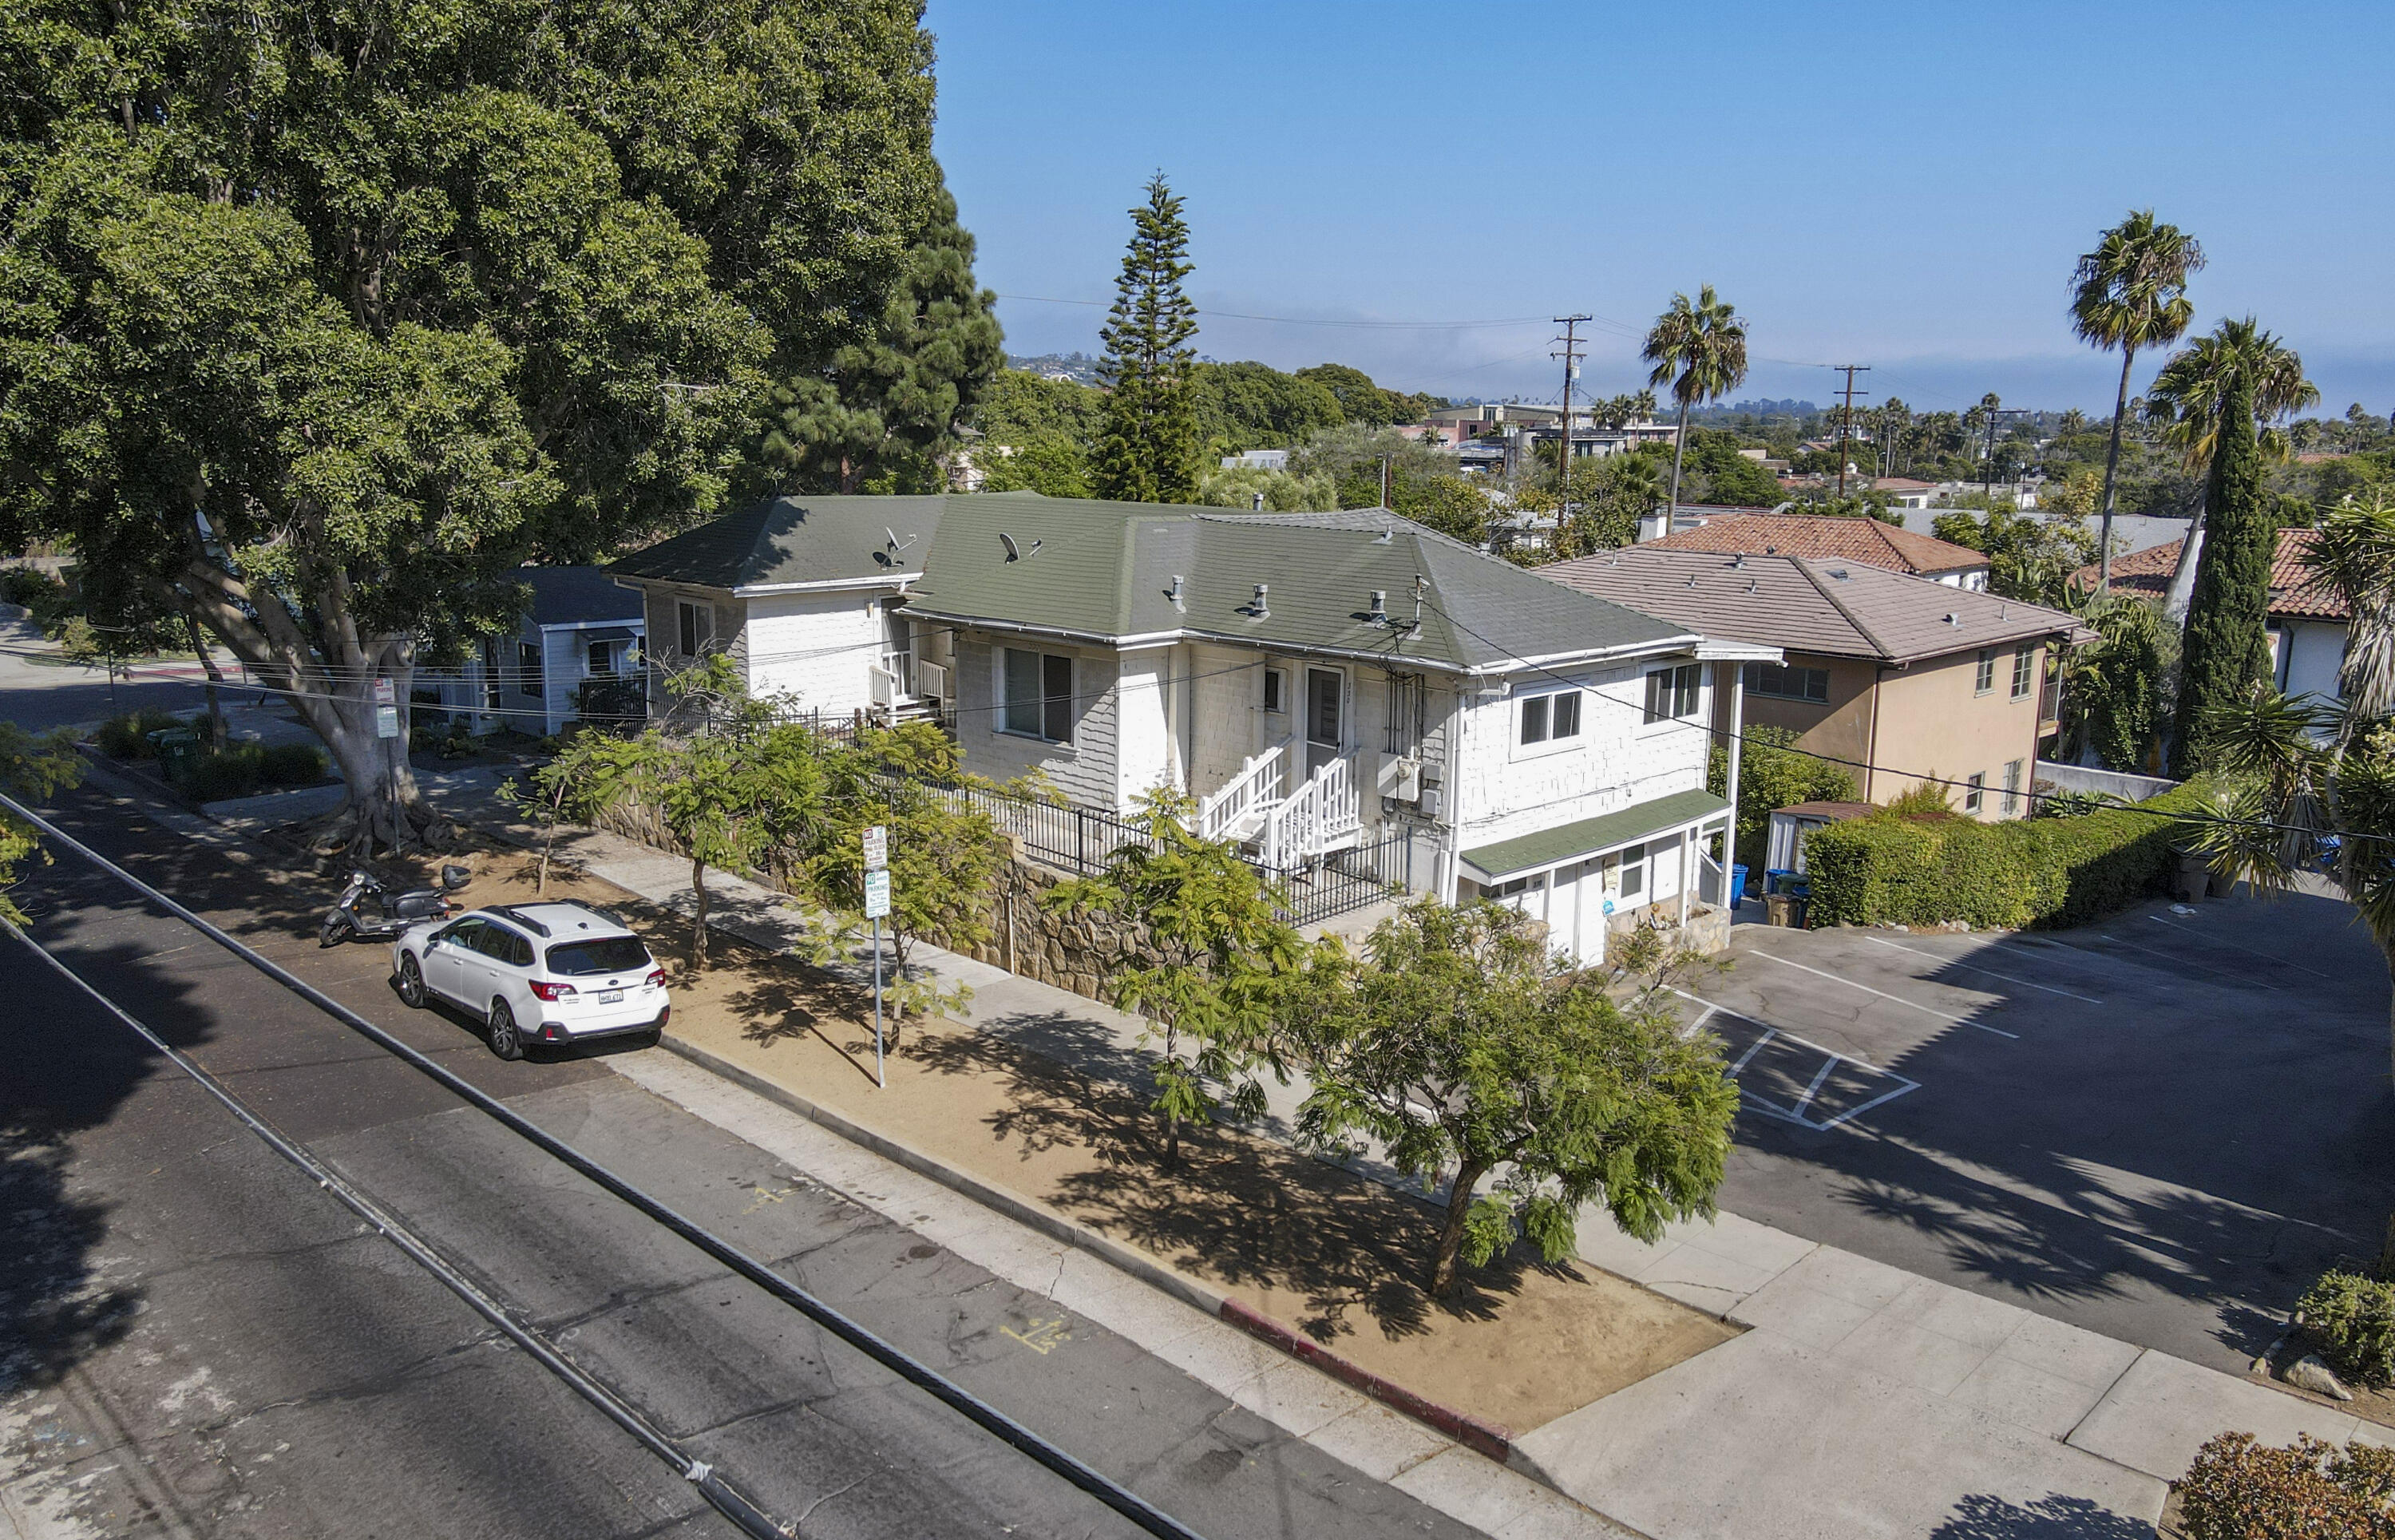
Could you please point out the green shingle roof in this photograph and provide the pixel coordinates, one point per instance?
(796, 540)
(1105, 570)
(1570, 842)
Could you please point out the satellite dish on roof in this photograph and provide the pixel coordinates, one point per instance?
(1015, 553)
(896, 544)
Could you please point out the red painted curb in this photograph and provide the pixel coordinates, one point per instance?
(1473, 1433)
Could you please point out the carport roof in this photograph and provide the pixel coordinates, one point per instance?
(1570, 842)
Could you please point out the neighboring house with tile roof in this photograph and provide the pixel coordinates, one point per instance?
(1823, 539)
(1897, 677)
(576, 626)
(2308, 618)
(1318, 683)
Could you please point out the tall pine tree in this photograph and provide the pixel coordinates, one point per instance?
(1149, 451)
(2226, 649)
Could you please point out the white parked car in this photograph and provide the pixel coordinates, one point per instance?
(536, 973)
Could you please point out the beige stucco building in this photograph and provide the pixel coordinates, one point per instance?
(1902, 680)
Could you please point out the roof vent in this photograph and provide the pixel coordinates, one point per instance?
(1176, 591)
(1256, 503)
(1839, 573)
(1257, 608)
(1952, 618)
(1692, 579)
(1379, 616)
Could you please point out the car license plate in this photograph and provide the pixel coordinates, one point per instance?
(610, 997)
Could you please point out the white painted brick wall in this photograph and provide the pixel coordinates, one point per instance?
(1505, 793)
(819, 647)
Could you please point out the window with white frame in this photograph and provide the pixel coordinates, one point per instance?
(1037, 696)
(1634, 874)
(1786, 682)
(528, 669)
(2012, 787)
(2024, 669)
(696, 626)
(1985, 681)
(1549, 719)
(602, 659)
(1975, 791)
(1672, 693)
(1275, 695)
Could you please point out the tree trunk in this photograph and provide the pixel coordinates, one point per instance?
(2111, 466)
(1451, 1234)
(383, 808)
(1679, 450)
(208, 667)
(698, 927)
(2181, 591)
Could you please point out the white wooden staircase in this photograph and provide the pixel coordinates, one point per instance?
(1284, 831)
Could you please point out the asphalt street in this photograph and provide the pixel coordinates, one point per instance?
(40, 691)
(206, 1336)
(2162, 1126)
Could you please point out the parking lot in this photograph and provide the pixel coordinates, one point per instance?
(2160, 1127)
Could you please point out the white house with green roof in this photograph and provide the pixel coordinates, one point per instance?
(1323, 685)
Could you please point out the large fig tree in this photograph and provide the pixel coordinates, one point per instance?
(318, 320)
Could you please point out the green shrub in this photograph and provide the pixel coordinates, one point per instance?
(127, 738)
(235, 773)
(292, 764)
(1773, 774)
(2353, 1318)
(2239, 1490)
(1884, 869)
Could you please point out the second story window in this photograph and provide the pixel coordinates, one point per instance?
(1986, 679)
(2024, 669)
(1551, 718)
(1672, 693)
(1786, 682)
(1039, 696)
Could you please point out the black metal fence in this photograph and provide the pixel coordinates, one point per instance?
(1344, 881)
(1076, 840)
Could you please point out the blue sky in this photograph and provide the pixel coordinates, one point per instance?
(1903, 185)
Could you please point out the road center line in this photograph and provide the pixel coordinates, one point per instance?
(1958, 962)
(1959, 1021)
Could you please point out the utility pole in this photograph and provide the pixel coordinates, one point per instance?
(1988, 476)
(1846, 420)
(1570, 355)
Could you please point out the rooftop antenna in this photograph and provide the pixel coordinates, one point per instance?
(897, 545)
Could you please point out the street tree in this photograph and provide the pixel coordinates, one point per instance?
(2131, 293)
(1448, 1043)
(944, 856)
(1149, 452)
(2113, 689)
(1198, 947)
(320, 327)
(890, 403)
(2226, 650)
(1700, 351)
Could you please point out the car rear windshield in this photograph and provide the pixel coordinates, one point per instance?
(607, 955)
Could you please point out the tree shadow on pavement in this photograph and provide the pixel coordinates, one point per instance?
(2053, 1516)
(1240, 1211)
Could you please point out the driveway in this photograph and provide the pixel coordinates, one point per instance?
(2160, 1127)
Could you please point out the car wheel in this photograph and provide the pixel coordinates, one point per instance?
(506, 1038)
(411, 981)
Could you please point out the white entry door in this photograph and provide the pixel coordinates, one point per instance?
(1326, 717)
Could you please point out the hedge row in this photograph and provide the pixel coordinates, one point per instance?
(1884, 870)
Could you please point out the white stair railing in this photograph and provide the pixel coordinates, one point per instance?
(1254, 789)
(1325, 808)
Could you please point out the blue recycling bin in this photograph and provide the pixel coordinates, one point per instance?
(1737, 885)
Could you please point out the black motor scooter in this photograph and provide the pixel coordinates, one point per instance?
(368, 910)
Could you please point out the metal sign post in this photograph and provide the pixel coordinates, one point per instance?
(386, 696)
(876, 904)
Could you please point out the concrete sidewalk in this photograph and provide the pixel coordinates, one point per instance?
(1862, 1400)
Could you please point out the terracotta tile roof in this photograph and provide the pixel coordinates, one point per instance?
(1820, 538)
(2295, 590)
(1841, 609)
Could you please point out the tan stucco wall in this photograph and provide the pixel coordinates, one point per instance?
(1840, 728)
(1933, 721)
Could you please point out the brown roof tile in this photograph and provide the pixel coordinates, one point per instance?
(2295, 590)
(1822, 537)
(1842, 609)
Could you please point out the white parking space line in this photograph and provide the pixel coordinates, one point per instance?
(1830, 1059)
(2213, 941)
(1827, 1064)
(1753, 1048)
(2175, 960)
(1974, 967)
(1959, 1021)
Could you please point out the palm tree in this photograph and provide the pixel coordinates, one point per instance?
(2130, 293)
(2304, 785)
(1704, 345)
(2183, 403)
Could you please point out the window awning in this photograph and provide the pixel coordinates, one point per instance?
(611, 633)
(1572, 842)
